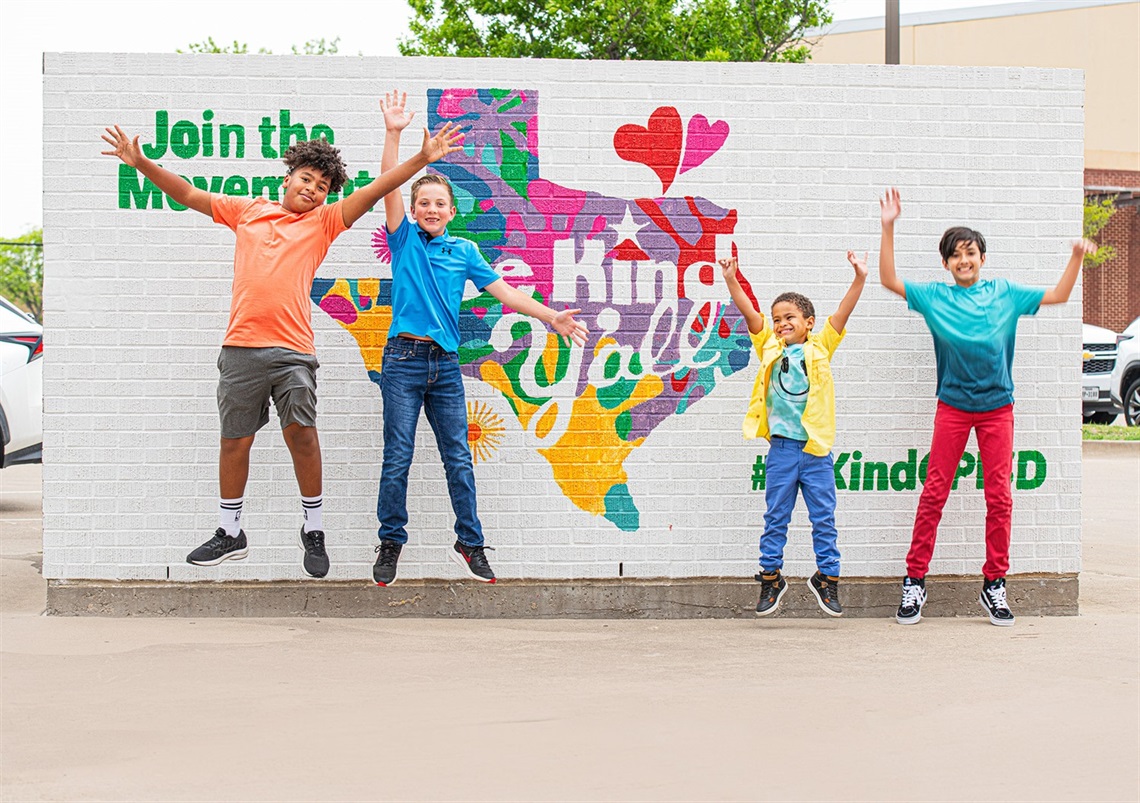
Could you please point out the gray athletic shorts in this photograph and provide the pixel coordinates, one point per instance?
(251, 377)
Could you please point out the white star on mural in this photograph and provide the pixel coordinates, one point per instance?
(627, 229)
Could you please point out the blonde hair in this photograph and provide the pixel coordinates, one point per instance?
(432, 178)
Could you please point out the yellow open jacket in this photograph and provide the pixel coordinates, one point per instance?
(819, 410)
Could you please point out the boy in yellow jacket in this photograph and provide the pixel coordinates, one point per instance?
(793, 407)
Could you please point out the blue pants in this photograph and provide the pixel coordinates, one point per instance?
(419, 374)
(790, 470)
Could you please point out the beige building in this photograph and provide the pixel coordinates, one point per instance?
(1101, 37)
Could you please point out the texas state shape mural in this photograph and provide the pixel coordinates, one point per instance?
(641, 269)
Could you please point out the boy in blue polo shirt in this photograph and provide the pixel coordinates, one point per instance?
(421, 362)
(974, 325)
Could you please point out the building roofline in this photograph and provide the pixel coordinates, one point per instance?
(963, 14)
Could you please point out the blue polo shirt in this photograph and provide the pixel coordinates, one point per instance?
(974, 329)
(428, 276)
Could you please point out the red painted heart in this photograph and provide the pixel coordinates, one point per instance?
(657, 145)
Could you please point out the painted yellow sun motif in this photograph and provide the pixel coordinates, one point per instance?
(484, 430)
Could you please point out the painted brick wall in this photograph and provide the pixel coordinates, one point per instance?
(137, 301)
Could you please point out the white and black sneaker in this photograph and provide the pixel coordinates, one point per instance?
(772, 589)
(473, 560)
(316, 560)
(913, 598)
(220, 547)
(387, 556)
(993, 600)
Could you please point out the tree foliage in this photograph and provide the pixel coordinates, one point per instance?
(658, 30)
(22, 271)
(313, 47)
(1098, 211)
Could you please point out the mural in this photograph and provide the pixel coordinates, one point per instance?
(662, 332)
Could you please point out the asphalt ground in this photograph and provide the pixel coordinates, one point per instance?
(375, 709)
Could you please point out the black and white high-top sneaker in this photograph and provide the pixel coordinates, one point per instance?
(913, 598)
(993, 600)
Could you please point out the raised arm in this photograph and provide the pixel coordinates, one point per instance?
(1060, 293)
(561, 322)
(851, 297)
(388, 183)
(175, 186)
(396, 119)
(752, 316)
(891, 207)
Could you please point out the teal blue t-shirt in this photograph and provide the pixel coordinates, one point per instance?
(974, 329)
(428, 276)
(787, 394)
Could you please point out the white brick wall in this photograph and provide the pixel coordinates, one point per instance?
(137, 301)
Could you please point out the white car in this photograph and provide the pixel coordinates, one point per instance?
(21, 387)
(1125, 379)
(1097, 406)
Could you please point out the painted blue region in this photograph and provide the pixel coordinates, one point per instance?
(320, 287)
(384, 294)
(620, 509)
(375, 377)
(473, 329)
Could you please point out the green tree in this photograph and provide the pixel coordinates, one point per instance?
(313, 47)
(1098, 211)
(661, 30)
(22, 271)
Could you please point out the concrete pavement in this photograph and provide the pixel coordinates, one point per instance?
(420, 709)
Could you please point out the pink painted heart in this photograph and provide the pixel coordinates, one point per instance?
(656, 145)
(702, 140)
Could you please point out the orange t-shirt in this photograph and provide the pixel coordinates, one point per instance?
(275, 259)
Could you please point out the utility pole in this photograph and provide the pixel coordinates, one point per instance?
(892, 30)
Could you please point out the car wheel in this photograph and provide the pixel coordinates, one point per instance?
(1100, 418)
(1132, 404)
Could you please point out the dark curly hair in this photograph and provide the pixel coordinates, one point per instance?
(801, 301)
(319, 155)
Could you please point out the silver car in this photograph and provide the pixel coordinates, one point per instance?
(21, 387)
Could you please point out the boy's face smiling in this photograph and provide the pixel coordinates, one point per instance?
(965, 264)
(432, 208)
(789, 323)
(306, 188)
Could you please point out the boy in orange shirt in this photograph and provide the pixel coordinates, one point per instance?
(268, 350)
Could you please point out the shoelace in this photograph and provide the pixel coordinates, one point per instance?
(317, 544)
(219, 540)
(387, 555)
(911, 595)
(997, 596)
(478, 557)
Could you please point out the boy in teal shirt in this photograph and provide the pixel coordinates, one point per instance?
(974, 326)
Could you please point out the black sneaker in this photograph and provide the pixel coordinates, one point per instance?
(826, 590)
(384, 569)
(913, 598)
(993, 600)
(220, 547)
(772, 589)
(316, 561)
(473, 560)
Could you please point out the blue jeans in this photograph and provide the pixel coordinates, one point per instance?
(419, 374)
(790, 470)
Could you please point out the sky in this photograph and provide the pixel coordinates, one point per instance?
(28, 28)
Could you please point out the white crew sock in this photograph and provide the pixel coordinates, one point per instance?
(311, 506)
(229, 515)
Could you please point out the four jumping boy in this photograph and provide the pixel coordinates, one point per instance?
(268, 353)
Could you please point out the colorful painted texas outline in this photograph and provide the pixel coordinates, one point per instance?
(637, 269)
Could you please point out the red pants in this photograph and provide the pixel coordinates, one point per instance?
(995, 443)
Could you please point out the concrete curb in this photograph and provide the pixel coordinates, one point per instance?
(690, 598)
(1110, 448)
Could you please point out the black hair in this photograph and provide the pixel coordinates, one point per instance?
(801, 301)
(960, 234)
(319, 155)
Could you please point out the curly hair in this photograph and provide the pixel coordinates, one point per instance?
(319, 155)
(801, 301)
